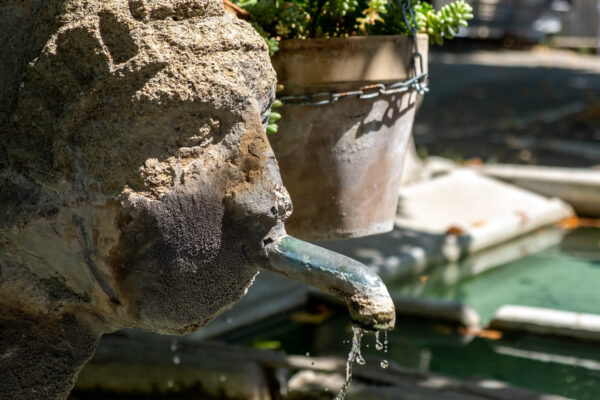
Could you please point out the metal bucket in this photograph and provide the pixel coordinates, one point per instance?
(342, 163)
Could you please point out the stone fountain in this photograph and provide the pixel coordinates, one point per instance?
(137, 186)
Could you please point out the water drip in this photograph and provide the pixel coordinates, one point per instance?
(359, 359)
(357, 334)
(382, 346)
(173, 347)
(378, 344)
(385, 342)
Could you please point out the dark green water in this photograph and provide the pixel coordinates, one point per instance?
(550, 365)
(564, 276)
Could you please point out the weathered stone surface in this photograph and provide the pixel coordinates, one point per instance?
(137, 187)
(40, 355)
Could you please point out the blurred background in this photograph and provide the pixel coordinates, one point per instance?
(520, 86)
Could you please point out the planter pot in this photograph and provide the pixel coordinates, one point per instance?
(342, 163)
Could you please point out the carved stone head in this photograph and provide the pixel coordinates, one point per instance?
(138, 184)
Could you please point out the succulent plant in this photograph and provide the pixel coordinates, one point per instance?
(289, 19)
(300, 19)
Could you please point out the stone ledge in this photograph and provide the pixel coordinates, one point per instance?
(547, 321)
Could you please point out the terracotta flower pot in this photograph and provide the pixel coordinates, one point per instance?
(342, 163)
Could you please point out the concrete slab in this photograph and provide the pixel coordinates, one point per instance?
(547, 321)
(453, 311)
(443, 220)
(481, 210)
(577, 186)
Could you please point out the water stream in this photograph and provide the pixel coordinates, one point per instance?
(357, 334)
(355, 355)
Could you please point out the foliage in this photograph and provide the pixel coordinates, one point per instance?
(443, 24)
(274, 116)
(272, 43)
(288, 19)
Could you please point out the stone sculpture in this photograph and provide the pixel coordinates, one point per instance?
(133, 154)
(137, 186)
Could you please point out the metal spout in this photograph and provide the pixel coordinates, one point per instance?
(363, 291)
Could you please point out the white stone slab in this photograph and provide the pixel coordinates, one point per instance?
(577, 186)
(452, 311)
(547, 321)
(482, 210)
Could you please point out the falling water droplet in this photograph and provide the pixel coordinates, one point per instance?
(357, 334)
(307, 354)
(173, 345)
(360, 360)
(170, 383)
(176, 360)
(384, 364)
(385, 342)
(223, 378)
(378, 344)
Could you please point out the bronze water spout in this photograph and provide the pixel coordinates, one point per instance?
(363, 291)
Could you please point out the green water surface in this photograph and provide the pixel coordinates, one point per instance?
(565, 276)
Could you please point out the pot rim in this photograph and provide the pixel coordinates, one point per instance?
(338, 64)
(291, 44)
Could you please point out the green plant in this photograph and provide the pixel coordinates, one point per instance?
(274, 116)
(301, 19)
(289, 19)
(442, 24)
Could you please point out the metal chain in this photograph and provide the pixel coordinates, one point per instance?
(417, 59)
(418, 81)
(363, 93)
